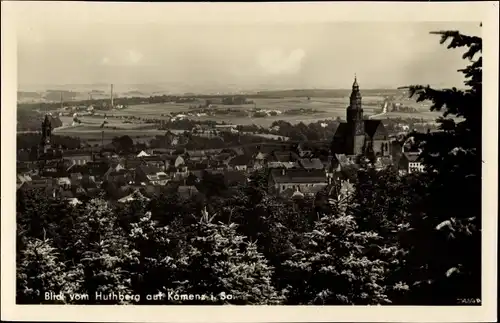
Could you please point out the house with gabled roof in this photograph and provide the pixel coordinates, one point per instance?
(241, 162)
(311, 163)
(132, 162)
(295, 179)
(143, 154)
(288, 159)
(195, 155)
(410, 162)
(47, 185)
(151, 175)
(159, 161)
(78, 157)
(22, 179)
(64, 182)
(259, 160)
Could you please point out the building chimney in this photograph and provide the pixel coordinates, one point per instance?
(112, 105)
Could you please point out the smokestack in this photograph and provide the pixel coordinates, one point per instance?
(62, 104)
(112, 96)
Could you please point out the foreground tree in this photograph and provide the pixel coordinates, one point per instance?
(337, 266)
(446, 239)
(39, 271)
(101, 251)
(152, 265)
(219, 265)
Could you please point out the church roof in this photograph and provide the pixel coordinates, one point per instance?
(342, 130)
(373, 128)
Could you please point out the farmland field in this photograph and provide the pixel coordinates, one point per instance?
(327, 108)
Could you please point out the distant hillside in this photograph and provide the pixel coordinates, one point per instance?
(97, 92)
(325, 93)
(55, 95)
(135, 93)
(25, 95)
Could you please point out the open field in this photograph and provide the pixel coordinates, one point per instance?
(90, 123)
(328, 108)
(323, 104)
(93, 136)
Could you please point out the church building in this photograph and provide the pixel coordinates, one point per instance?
(359, 136)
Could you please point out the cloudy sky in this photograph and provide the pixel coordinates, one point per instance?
(96, 43)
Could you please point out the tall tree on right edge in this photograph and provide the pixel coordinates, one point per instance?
(445, 249)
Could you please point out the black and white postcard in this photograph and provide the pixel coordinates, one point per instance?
(246, 162)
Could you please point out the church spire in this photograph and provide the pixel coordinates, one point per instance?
(355, 85)
(355, 110)
(355, 95)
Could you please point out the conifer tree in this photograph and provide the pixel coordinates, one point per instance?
(334, 268)
(219, 262)
(447, 237)
(152, 262)
(101, 252)
(39, 271)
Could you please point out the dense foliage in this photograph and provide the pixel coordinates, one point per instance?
(384, 238)
(451, 221)
(26, 141)
(30, 120)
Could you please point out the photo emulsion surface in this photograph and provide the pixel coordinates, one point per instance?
(334, 163)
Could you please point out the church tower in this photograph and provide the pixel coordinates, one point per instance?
(46, 133)
(355, 121)
(44, 149)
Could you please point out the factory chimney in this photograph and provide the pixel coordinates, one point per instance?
(112, 105)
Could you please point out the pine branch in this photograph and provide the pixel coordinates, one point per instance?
(474, 43)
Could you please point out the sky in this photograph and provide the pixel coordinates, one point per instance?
(87, 43)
